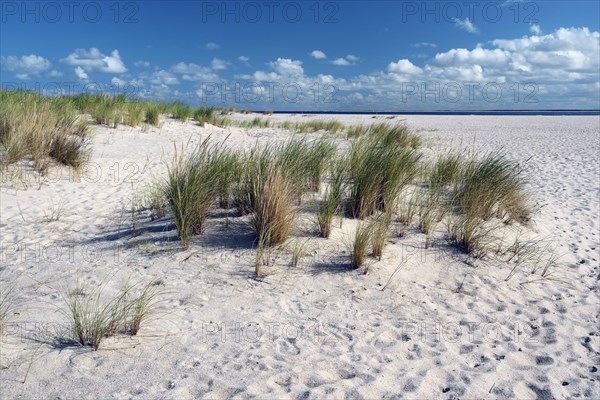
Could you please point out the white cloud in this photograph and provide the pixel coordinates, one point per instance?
(341, 62)
(212, 46)
(244, 59)
(25, 66)
(350, 59)
(142, 64)
(404, 67)
(266, 76)
(476, 56)
(163, 77)
(466, 25)
(535, 29)
(287, 67)
(54, 73)
(424, 44)
(194, 72)
(318, 54)
(94, 60)
(568, 49)
(217, 64)
(81, 74)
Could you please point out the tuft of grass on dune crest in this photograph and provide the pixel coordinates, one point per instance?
(152, 115)
(257, 122)
(45, 128)
(312, 126)
(180, 111)
(204, 115)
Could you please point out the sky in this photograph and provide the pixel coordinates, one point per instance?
(310, 55)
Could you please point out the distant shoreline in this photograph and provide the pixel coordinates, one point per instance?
(473, 112)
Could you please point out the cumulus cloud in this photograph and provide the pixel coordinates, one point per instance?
(163, 77)
(142, 64)
(194, 72)
(212, 46)
(81, 74)
(318, 54)
(217, 64)
(350, 59)
(535, 29)
(404, 67)
(568, 49)
(287, 67)
(466, 25)
(25, 66)
(94, 60)
(476, 56)
(341, 62)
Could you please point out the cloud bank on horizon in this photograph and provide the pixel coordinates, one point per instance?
(536, 70)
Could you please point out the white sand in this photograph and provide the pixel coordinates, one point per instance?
(446, 325)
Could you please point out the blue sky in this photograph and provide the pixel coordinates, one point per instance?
(309, 55)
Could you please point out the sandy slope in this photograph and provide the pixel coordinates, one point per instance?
(422, 324)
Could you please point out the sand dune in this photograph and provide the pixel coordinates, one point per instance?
(422, 323)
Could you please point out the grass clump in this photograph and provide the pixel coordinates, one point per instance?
(192, 186)
(273, 211)
(45, 128)
(490, 187)
(334, 195)
(95, 315)
(180, 111)
(153, 116)
(315, 126)
(360, 245)
(446, 170)
(380, 231)
(257, 122)
(204, 115)
(382, 164)
(141, 307)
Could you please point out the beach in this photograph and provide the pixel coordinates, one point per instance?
(422, 323)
